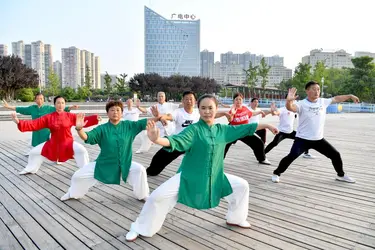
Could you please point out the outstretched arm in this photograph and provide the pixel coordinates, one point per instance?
(154, 135)
(7, 106)
(138, 104)
(274, 110)
(31, 125)
(343, 98)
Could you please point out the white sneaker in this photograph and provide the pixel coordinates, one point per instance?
(58, 163)
(308, 156)
(131, 236)
(243, 224)
(24, 172)
(65, 197)
(265, 162)
(345, 178)
(138, 152)
(275, 178)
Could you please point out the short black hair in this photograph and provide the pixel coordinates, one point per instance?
(189, 92)
(286, 95)
(310, 83)
(38, 94)
(238, 94)
(57, 97)
(254, 99)
(111, 104)
(212, 97)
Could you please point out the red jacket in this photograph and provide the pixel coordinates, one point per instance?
(60, 146)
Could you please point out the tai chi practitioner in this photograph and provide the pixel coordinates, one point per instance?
(286, 131)
(115, 139)
(60, 147)
(165, 129)
(243, 115)
(312, 116)
(36, 111)
(201, 181)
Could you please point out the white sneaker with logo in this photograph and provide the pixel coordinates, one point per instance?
(345, 178)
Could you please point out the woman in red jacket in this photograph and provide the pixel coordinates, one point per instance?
(60, 147)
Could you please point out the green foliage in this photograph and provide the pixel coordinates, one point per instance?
(107, 83)
(121, 85)
(25, 95)
(302, 75)
(68, 93)
(15, 75)
(263, 71)
(251, 76)
(83, 93)
(54, 84)
(88, 79)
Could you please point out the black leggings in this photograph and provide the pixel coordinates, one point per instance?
(278, 138)
(160, 160)
(322, 146)
(254, 142)
(262, 134)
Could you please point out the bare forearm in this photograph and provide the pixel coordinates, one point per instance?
(143, 110)
(263, 126)
(291, 106)
(341, 98)
(163, 142)
(82, 134)
(226, 114)
(10, 108)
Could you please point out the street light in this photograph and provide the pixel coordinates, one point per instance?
(322, 93)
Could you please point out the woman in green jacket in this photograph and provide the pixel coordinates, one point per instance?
(200, 182)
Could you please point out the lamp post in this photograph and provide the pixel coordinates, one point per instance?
(322, 93)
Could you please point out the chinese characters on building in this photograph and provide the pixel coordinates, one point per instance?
(183, 16)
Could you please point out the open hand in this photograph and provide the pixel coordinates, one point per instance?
(80, 121)
(153, 132)
(155, 111)
(292, 95)
(15, 118)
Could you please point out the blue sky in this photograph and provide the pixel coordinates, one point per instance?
(114, 29)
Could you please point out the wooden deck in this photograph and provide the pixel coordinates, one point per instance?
(308, 209)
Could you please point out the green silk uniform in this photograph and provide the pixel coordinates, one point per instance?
(116, 143)
(42, 135)
(203, 182)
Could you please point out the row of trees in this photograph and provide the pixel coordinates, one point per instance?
(257, 73)
(359, 80)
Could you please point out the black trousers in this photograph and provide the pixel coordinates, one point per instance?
(278, 138)
(254, 142)
(322, 146)
(161, 159)
(262, 134)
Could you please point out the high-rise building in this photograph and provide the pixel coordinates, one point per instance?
(98, 82)
(93, 82)
(28, 55)
(57, 69)
(3, 50)
(207, 63)
(38, 61)
(245, 58)
(18, 49)
(336, 59)
(71, 67)
(48, 60)
(87, 66)
(172, 46)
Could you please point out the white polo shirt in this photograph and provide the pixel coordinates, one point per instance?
(286, 120)
(131, 115)
(183, 119)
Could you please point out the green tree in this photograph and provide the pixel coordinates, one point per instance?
(263, 71)
(302, 75)
(121, 85)
(54, 84)
(251, 77)
(107, 84)
(25, 95)
(88, 79)
(83, 93)
(14, 75)
(68, 93)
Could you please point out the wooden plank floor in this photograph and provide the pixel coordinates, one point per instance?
(308, 209)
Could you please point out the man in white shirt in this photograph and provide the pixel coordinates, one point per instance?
(164, 108)
(285, 127)
(130, 113)
(312, 114)
(255, 118)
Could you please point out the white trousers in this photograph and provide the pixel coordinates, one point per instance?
(83, 179)
(36, 159)
(164, 198)
(145, 141)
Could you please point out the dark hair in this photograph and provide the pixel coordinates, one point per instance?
(286, 96)
(111, 104)
(238, 94)
(189, 93)
(310, 83)
(57, 97)
(254, 99)
(38, 94)
(209, 97)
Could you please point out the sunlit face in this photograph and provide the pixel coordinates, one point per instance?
(129, 103)
(238, 101)
(161, 97)
(313, 92)
(188, 101)
(114, 113)
(254, 104)
(60, 104)
(207, 110)
(39, 100)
